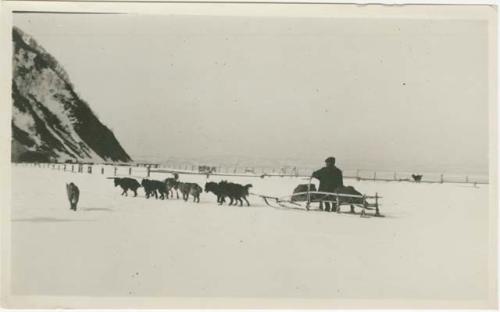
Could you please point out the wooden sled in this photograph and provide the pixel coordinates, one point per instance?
(303, 200)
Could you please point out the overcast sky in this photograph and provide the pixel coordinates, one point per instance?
(388, 94)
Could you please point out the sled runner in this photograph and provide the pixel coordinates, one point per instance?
(303, 200)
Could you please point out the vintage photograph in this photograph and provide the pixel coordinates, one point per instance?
(269, 155)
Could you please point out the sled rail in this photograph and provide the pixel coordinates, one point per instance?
(336, 194)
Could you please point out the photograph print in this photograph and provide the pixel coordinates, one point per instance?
(250, 155)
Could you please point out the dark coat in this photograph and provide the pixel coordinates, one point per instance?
(329, 178)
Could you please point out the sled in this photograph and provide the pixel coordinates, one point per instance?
(303, 201)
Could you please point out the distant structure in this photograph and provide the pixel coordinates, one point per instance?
(249, 170)
(206, 169)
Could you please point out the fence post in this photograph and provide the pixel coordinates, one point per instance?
(115, 171)
(149, 171)
(357, 175)
(129, 171)
(442, 178)
(102, 170)
(374, 175)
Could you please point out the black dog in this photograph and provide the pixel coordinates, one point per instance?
(235, 192)
(153, 187)
(217, 190)
(417, 177)
(127, 184)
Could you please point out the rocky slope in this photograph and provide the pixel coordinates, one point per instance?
(49, 120)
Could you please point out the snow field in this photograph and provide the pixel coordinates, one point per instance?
(124, 246)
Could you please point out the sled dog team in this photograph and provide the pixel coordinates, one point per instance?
(236, 193)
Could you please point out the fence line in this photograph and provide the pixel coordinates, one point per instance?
(144, 170)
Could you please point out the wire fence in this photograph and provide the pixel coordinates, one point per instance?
(148, 170)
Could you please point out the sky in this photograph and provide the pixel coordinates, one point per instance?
(382, 94)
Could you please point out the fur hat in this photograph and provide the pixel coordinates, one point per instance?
(330, 160)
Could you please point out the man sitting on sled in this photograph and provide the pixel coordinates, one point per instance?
(330, 177)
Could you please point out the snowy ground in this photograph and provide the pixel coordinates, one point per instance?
(432, 244)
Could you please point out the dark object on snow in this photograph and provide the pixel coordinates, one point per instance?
(417, 177)
(330, 177)
(153, 187)
(349, 190)
(301, 188)
(217, 190)
(127, 184)
(353, 201)
(73, 195)
(172, 184)
(148, 188)
(344, 200)
(236, 192)
(192, 189)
